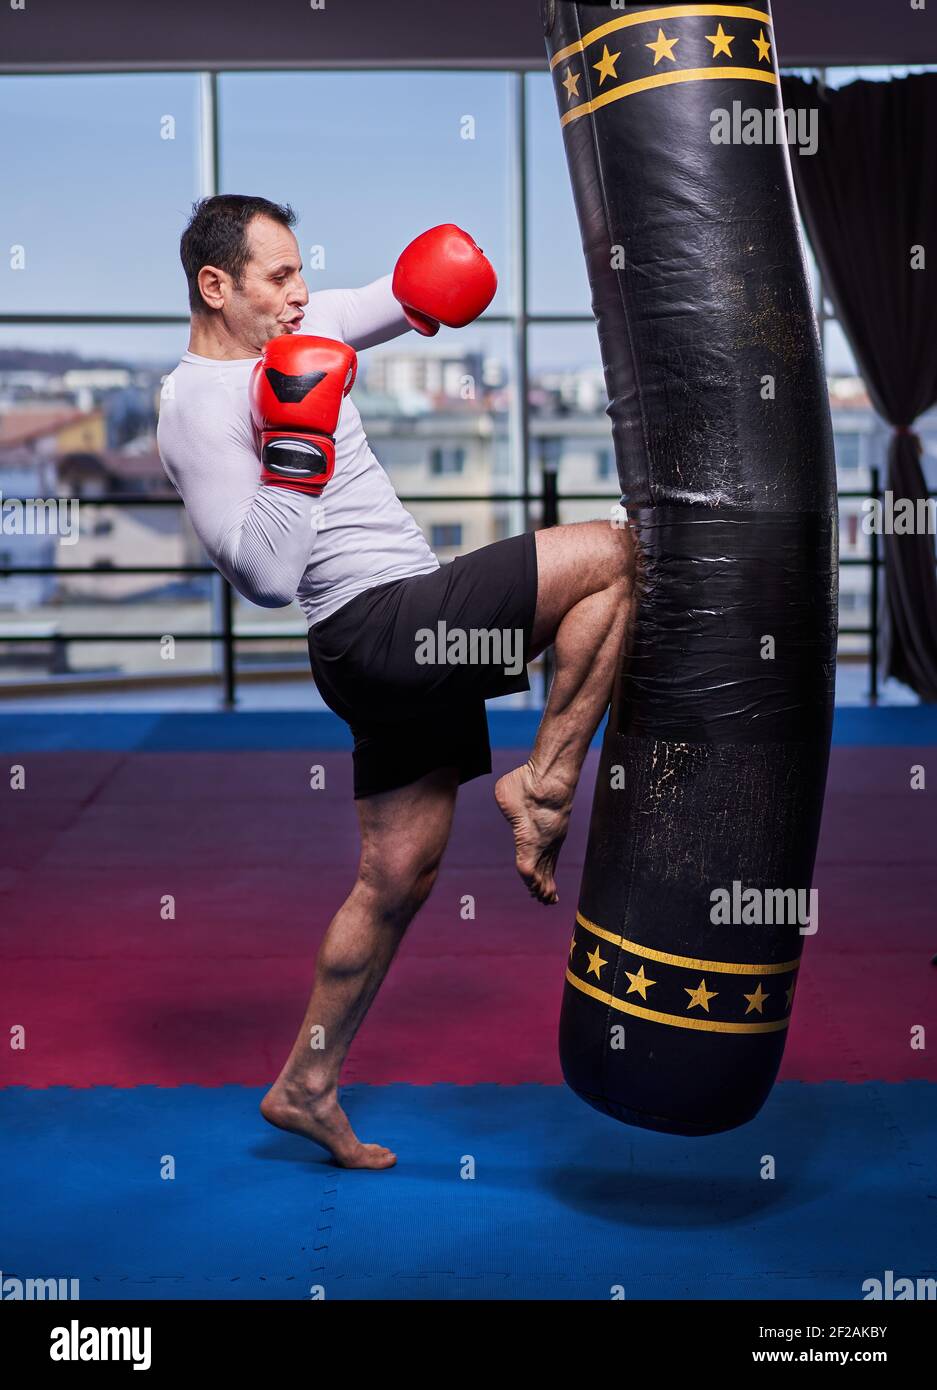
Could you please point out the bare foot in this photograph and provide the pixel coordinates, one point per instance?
(321, 1118)
(539, 820)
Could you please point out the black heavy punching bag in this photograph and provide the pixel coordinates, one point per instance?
(711, 781)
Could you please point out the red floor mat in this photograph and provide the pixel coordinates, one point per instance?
(110, 993)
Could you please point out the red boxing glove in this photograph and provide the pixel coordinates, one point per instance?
(296, 392)
(443, 277)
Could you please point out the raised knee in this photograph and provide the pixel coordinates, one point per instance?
(620, 559)
(398, 890)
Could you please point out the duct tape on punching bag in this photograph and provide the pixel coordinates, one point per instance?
(696, 893)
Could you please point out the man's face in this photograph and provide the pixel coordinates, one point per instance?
(272, 294)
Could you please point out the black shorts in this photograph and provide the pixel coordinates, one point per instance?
(409, 665)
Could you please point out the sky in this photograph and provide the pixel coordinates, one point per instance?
(368, 160)
(100, 171)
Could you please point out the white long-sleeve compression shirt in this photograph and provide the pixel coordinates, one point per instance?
(275, 545)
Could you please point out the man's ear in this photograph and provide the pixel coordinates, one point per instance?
(211, 286)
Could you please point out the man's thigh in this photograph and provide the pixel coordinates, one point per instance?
(573, 562)
(419, 646)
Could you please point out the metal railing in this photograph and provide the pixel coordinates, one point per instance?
(548, 501)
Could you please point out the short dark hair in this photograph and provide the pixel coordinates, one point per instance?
(217, 235)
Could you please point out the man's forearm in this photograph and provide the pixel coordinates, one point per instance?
(364, 317)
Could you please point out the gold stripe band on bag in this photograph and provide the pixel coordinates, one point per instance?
(702, 1025)
(657, 17)
(627, 85)
(673, 983)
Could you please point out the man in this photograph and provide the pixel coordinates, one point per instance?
(291, 503)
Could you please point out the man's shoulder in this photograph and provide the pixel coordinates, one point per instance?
(204, 405)
(190, 385)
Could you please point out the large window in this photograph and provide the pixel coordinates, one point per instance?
(98, 184)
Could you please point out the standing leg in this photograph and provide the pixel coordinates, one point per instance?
(584, 604)
(403, 835)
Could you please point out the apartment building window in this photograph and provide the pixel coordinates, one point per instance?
(445, 535)
(848, 452)
(605, 468)
(446, 459)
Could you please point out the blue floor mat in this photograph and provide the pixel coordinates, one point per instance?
(122, 731)
(564, 1203)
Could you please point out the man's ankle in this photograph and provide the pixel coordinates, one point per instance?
(551, 783)
(309, 1087)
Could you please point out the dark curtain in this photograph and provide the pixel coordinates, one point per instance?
(869, 197)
